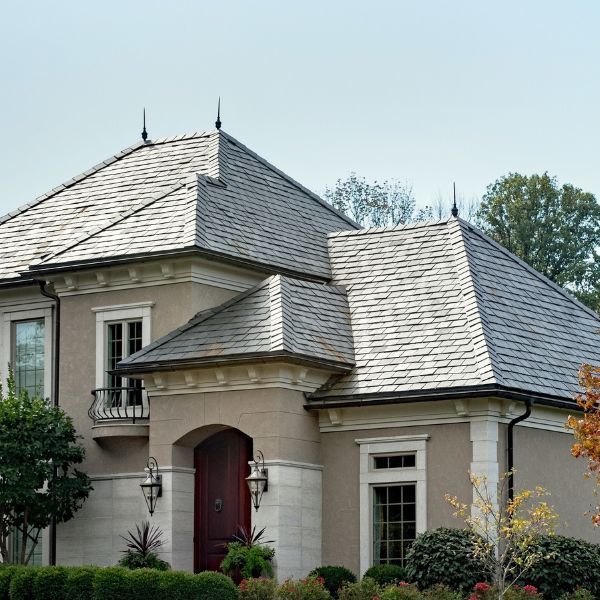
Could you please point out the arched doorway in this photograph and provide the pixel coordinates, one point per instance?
(222, 499)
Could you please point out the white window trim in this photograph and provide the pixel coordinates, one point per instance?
(29, 315)
(118, 312)
(369, 477)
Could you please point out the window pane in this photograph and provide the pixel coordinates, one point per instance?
(394, 524)
(115, 354)
(28, 356)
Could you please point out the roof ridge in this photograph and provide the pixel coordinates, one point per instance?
(198, 318)
(557, 288)
(472, 303)
(117, 219)
(388, 228)
(76, 179)
(182, 136)
(291, 180)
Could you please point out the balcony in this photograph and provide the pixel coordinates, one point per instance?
(119, 412)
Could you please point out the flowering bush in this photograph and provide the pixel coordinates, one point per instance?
(334, 577)
(311, 588)
(441, 592)
(484, 591)
(257, 589)
(402, 591)
(367, 589)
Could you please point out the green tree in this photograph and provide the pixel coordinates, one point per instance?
(38, 481)
(374, 204)
(554, 229)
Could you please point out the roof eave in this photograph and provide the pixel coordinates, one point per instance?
(230, 360)
(321, 401)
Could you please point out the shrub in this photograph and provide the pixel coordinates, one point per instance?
(567, 564)
(6, 573)
(176, 585)
(49, 583)
(21, 583)
(144, 584)
(580, 594)
(363, 590)
(444, 556)
(142, 547)
(79, 584)
(484, 591)
(334, 577)
(134, 560)
(402, 591)
(311, 588)
(441, 592)
(112, 583)
(249, 561)
(213, 586)
(261, 588)
(385, 574)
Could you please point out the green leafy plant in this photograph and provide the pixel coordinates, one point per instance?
(567, 564)
(385, 574)
(209, 585)
(311, 588)
(334, 577)
(441, 592)
(144, 584)
(79, 584)
(580, 594)
(112, 583)
(261, 588)
(49, 583)
(251, 537)
(6, 573)
(367, 589)
(445, 556)
(21, 584)
(141, 548)
(176, 585)
(402, 591)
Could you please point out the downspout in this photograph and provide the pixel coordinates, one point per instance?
(510, 447)
(55, 390)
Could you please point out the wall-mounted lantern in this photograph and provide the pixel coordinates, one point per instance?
(152, 485)
(258, 480)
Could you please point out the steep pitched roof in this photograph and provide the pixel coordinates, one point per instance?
(441, 305)
(279, 317)
(203, 192)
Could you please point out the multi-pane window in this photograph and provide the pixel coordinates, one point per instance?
(123, 339)
(398, 461)
(394, 522)
(28, 356)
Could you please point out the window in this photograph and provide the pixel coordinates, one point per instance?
(124, 338)
(394, 522)
(28, 354)
(393, 497)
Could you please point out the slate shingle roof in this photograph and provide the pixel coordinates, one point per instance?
(280, 316)
(441, 305)
(203, 191)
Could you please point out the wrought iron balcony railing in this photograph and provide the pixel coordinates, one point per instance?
(124, 403)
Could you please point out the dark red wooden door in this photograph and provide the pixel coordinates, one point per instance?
(222, 500)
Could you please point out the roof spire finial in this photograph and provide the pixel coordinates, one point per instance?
(218, 121)
(454, 207)
(144, 132)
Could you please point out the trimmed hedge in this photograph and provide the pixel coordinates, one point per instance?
(21, 583)
(569, 564)
(79, 584)
(49, 584)
(6, 573)
(334, 577)
(209, 585)
(386, 574)
(444, 556)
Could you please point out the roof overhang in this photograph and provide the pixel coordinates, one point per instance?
(321, 401)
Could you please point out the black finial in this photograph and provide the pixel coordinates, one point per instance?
(144, 132)
(454, 207)
(218, 121)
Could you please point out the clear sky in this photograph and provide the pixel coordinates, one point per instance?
(423, 91)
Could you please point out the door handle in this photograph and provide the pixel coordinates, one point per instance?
(218, 504)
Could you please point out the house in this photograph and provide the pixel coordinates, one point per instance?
(218, 310)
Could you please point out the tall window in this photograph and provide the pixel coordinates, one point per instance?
(123, 339)
(28, 355)
(394, 522)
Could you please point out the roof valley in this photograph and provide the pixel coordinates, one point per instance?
(473, 304)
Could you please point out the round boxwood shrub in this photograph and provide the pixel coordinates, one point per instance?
(21, 584)
(79, 584)
(49, 583)
(334, 577)
(445, 556)
(144, 584)
(209, 585)
(386, 574)
(112, 583)
(176, 585)
(568, 563)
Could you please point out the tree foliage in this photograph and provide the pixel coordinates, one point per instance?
(38, 481)
(586, 427)
(374, 204)
(555, 229)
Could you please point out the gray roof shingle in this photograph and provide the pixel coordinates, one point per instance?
(279, 316)
(203, 191)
